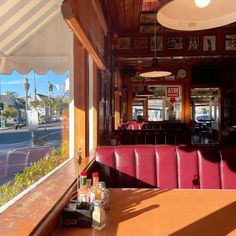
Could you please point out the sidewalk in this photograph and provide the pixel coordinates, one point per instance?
(4, 128)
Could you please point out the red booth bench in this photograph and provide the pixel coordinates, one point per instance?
(166, 166)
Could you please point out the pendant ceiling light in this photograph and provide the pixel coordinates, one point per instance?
(154, 70)
(202, 3)
(193, 15)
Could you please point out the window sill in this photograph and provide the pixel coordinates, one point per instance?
(38, 209)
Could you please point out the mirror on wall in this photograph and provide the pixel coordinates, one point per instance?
(159, 102)
(205, 115)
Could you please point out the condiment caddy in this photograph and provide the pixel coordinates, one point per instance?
(91, 204)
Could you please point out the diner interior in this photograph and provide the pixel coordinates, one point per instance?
(153, 111)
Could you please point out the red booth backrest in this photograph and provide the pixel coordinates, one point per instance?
(167, 166)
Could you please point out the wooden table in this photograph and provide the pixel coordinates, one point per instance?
(178, 212)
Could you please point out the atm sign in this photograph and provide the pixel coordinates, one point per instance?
(172, 91)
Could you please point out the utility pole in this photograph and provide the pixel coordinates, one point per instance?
(26, 88)
(50, 88)
(34, 86)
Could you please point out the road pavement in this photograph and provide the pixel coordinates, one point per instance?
(14, 142)
(12, 139)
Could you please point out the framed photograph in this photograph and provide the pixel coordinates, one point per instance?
(141, 43)
(148, 29)
(123, 43)
(230, 42)
(147, 17)
(156, 43)
(192, 43)
(209, 43)
(175, 43)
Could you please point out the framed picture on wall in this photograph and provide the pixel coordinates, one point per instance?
(147, 17)
(148, 29)
(192, 43)
(141, 43)
(123, 43)
(156, 43)
(174, 42)
(230, 42)
(209, 43)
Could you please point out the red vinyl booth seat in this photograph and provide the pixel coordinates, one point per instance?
(166, 166)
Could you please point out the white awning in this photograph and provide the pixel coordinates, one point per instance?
(33, 36)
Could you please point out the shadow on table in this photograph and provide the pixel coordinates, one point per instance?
(218, 223)
(124, 207)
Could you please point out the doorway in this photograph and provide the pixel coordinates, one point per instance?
(205, 103)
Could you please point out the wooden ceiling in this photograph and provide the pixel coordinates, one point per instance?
(128, 17)
(124, 15)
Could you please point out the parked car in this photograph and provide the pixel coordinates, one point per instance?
(203, 121)
(202, 118)
(19, 124)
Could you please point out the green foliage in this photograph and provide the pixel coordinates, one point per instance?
(39, 141)
(35, 103)
(31, 174)
(8, 111)
(46, 102)
(59, 103)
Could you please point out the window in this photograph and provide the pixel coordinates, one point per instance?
(155, 109)
(34, 129)
(137, 110)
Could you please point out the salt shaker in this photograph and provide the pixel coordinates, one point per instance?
(98, 216)
(105, 196)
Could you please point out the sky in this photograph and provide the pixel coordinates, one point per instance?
(14, 82)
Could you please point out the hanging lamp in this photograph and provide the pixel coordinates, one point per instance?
(154, 70)
(190, 15)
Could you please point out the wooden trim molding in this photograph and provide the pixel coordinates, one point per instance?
(72, 20)
(100, 16)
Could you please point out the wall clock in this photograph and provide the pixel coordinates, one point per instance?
(181, 73)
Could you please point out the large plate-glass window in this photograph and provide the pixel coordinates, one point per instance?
(34, 129)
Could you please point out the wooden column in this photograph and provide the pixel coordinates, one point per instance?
(117, 94)
(129, 101)
(145, 109)
(95, 104)
(79, 97)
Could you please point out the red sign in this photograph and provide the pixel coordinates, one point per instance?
(172, 91)
(172, 100)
